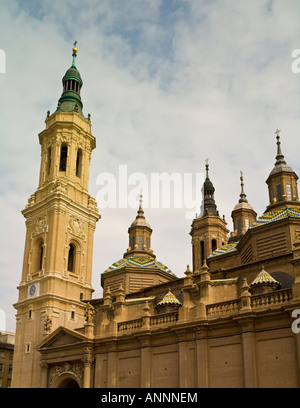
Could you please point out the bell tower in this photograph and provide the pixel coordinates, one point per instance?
(140, 236)
(209, 231)
(60, 219)
(243, 216)
(282, 183)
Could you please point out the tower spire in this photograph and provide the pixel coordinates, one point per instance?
(282, 182)
(140, 235)
(242, 195)
(140, 210)
(243, 215)
(70, 100)
(74, 55)
(210, 207)
(280, 156)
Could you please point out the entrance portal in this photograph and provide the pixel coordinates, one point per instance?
(69, 383)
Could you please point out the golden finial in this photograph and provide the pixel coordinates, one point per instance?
(74, 47)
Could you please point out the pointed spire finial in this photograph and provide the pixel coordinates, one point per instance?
(207, 168)
(140, 210)
(280, 156)
(242, 195)
(74, 54)
(141, 199)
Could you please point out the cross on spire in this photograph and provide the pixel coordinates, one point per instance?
(207, 167)
(242, 195)
(279, 157)
(277, 132)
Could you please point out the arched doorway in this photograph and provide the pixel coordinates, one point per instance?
(69, 383)
(66, 380)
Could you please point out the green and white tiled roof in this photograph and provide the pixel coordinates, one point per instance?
(169, 299)
(266, 218)
(139, 262)
(276, 215)
(265, 278)
(225, 249)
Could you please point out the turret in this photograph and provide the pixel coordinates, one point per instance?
(282, 183)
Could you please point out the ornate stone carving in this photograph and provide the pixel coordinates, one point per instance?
(39, 226)
(31, 201)
(76, 226)
(60, 187)
(87, 360)
(74, 369)
(44, 366)
(89, 313)
(47, 325)
(92, 204)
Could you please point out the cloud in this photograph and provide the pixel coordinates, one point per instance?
(168, 84)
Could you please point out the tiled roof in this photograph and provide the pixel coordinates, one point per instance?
(225, 249)
(266, 218)
(276, 215)
(169, 299)
(264, 277)
(139, 262)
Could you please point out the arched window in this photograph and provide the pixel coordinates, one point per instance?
(71, 258)
(132, 243)
(78, 162)
(213, 245)
(37, 256)
(289, 196)
(63, 158)
(202, 252)
(279, 192)
(239, 226)
(140, 243)
(41, 256)
(48, 161)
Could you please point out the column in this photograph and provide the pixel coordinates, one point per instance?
(44, 374)
(87, 367)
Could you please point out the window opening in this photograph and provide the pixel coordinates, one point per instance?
(63, 158)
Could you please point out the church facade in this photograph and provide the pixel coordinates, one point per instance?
(229, 322)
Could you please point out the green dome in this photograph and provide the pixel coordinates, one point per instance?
(70, 100)
(72, 73)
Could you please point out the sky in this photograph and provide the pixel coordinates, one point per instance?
(168, 84)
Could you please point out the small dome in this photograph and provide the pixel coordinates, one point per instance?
(243, 205)
(169, 299)
(281, 167)
(72, 73)
(140, 221)
(139, 262)
(264, 278)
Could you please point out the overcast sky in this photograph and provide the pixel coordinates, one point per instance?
(168, 83)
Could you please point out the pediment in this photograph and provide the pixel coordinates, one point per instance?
(62, 337)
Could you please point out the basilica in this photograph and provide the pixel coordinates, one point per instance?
(227, 323)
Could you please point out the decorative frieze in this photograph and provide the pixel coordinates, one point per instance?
(39, 226)
(74, 369)
(76, 226)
